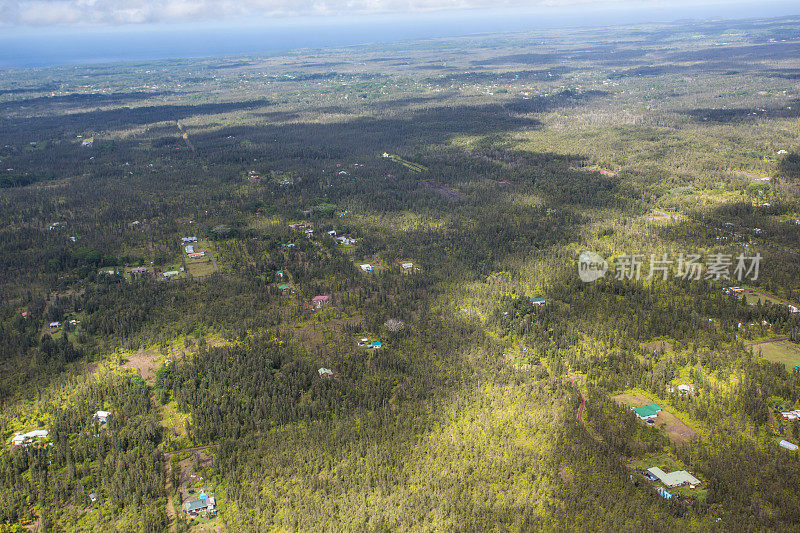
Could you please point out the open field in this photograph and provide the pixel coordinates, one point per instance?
(677, 431)
(785, 352)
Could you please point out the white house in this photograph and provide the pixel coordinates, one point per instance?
(366, 267)
(674, 479)
(788, 445)
(22, 439)
(101, 416)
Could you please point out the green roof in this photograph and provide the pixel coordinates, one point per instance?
(283, 286)
(647, 411)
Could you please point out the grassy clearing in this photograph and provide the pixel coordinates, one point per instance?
(785, 352)
(413, 167)
(677, 430)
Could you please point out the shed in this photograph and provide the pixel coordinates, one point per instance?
(788, 445)
(325, 372)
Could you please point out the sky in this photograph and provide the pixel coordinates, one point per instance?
(97, 13)
(37, 33)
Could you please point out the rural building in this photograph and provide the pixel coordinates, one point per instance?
(279, 274)
(101, 417)
(196, 255)
(538, 301)
(788, 445)
(363, 341)
(407, 266)
(647, 412)
(202, 504)
(318, 302)
(189, 249)
(283, 287)
(345, 240)
(664, 493)
(55, 325)
(139, 270)
(796, 368)
(325, 372)
(186, 240)
(375, 345)
(674, 479)
(688, 390)
(170, 273)
(93, 497)
(366, 267)
(23, 439)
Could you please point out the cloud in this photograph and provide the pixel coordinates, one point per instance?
(114, 12)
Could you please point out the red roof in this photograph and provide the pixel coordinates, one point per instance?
(321, 298)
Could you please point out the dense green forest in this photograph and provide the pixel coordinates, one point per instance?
(470, 379)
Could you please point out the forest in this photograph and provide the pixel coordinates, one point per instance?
(341, 289)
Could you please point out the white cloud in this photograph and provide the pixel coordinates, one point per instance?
(96, 12)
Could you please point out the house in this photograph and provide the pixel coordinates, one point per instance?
(345, 240)
(647, 412)
(170, 274)
(674, 479)
(796, 369)
(363, 341)
(788, 445)
(202, 504)
(196, 255)
(101, 417)
(791, 415)
(407, 266)
(538, 301)
(375, 345)
(325, 372)
(93, 497)
(186, 240)
(88, 142)
(23, 439)
(284, 287)
(688, 390)
(385, 154)
(793, 309)
(332, 233)
(55, 325)
(318, 302)
(189, 249)
(279, 274)
(366, 267)
(782, 152)
(73, 239)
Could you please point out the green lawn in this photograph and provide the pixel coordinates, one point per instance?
(784, 352)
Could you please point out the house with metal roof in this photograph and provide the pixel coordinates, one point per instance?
(647, 412)
(202, 504)
(674, 479)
